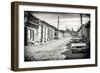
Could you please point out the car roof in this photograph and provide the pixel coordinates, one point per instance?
(77, 38)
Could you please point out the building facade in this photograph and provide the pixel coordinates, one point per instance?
(31, 27)
(84, 31)
(37, 31)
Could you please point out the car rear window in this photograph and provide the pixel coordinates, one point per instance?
(77, 40)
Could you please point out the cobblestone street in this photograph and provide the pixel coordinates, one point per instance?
(50, 51)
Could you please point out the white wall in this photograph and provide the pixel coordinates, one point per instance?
(5, 32)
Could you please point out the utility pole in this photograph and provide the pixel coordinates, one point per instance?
(72, 32)
(81, 24)
(66, 32)
(58, 28)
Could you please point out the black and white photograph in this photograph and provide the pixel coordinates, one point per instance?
(56, 36)
(53, 36)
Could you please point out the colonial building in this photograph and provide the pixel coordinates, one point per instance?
(38, 31)
(84, 31)
(31, 28)
(48, 32)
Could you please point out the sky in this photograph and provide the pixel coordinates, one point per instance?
(66, 20)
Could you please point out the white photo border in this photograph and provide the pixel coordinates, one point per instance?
(37, 64)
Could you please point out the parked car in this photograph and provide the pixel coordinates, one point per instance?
(78, 45)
